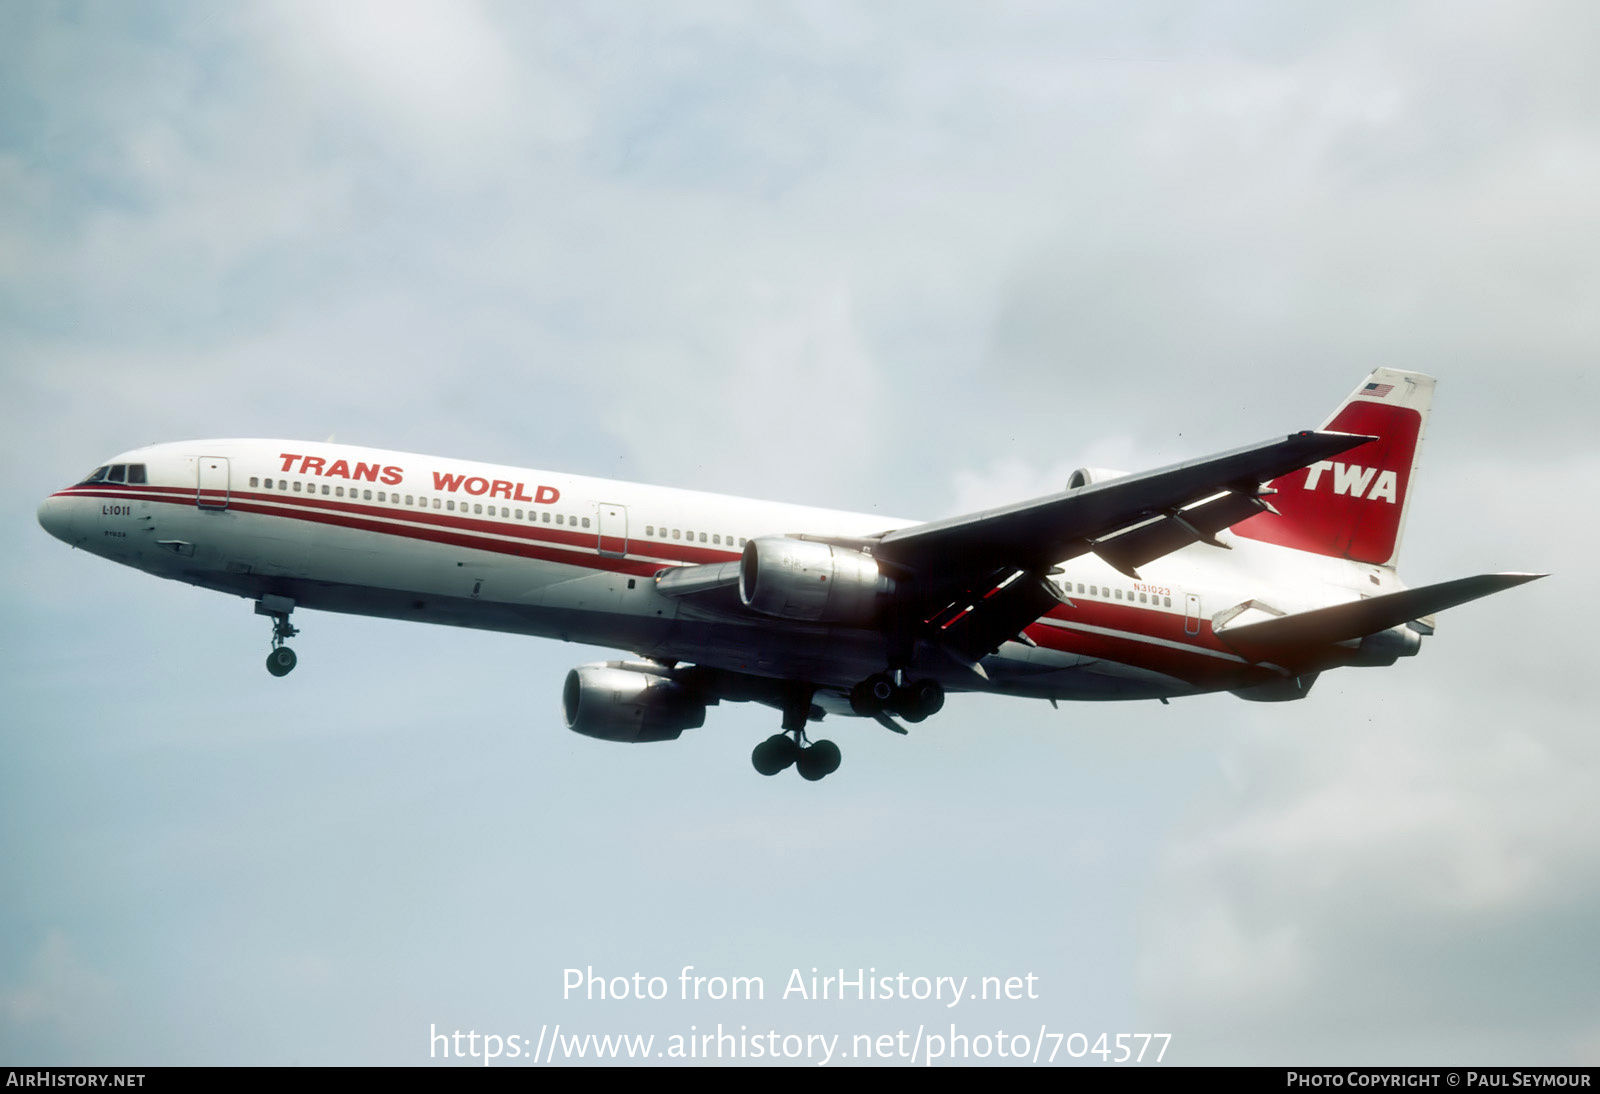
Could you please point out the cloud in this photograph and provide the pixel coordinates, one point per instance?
(1404, 867)
(59, 990)
(924, 259)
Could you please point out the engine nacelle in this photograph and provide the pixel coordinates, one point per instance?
(1286, 690)
(811, 581)
(1387, 647)
(619, 701)
(1088, 476)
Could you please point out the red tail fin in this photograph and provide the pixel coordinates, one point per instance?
(1355, 507)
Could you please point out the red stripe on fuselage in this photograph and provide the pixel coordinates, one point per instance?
(428, 526)
(1141, 625)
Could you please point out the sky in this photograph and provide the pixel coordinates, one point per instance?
(910, 258)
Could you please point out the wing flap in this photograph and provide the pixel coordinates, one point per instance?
(1198, 523)
(991, 613)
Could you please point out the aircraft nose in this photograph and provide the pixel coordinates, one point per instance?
(56, 517)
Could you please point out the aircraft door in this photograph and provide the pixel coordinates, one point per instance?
(212, 488)
(613, 530)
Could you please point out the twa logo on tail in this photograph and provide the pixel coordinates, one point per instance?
(1350, 479)
(1324, 509)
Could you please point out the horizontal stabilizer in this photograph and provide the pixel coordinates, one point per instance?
(1359, 618)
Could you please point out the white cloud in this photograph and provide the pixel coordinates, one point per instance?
(849, 257)
(59, 989)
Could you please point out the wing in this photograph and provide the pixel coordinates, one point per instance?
(975, 581)
(1158, 510)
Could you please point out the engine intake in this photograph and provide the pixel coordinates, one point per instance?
(634, 703)
(1088, 476)
(811, 581)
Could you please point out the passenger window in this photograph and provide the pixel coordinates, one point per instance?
(255, 480)
(586, 522)
(382, 496)
(561, 518)
(675, 533)
(366, 495)
(741, 541)
(136, 474)
(268, 484)
(716, 538)
(1143, 598)
(1094, 590)
(297, 486)
(477, 508)
(436, 503)
(408, 499)
(546, 517)
(519, 514)
(324, 489)
(338, 491)
(1166, 602)
(649, 529)
(451, 505)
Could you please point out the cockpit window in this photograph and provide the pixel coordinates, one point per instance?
(131, 473)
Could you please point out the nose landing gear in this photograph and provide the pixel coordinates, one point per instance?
(281, 661)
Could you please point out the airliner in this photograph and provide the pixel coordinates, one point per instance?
(1250, 571)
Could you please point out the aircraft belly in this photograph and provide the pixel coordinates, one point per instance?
(830, 656)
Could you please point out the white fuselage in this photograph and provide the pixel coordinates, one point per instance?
(400, 535)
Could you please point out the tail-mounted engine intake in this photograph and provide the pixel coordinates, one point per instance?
(629, 701)
(1088, 476)
(811, 581)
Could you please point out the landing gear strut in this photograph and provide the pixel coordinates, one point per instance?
(789, 748)
(281, 661)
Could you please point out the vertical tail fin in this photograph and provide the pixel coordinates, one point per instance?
(1355, 507)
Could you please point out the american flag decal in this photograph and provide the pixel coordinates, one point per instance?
(1378, 390)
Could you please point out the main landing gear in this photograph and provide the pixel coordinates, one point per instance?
(814, 761)
(913, 701)
(281, 661)
(780, 750)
